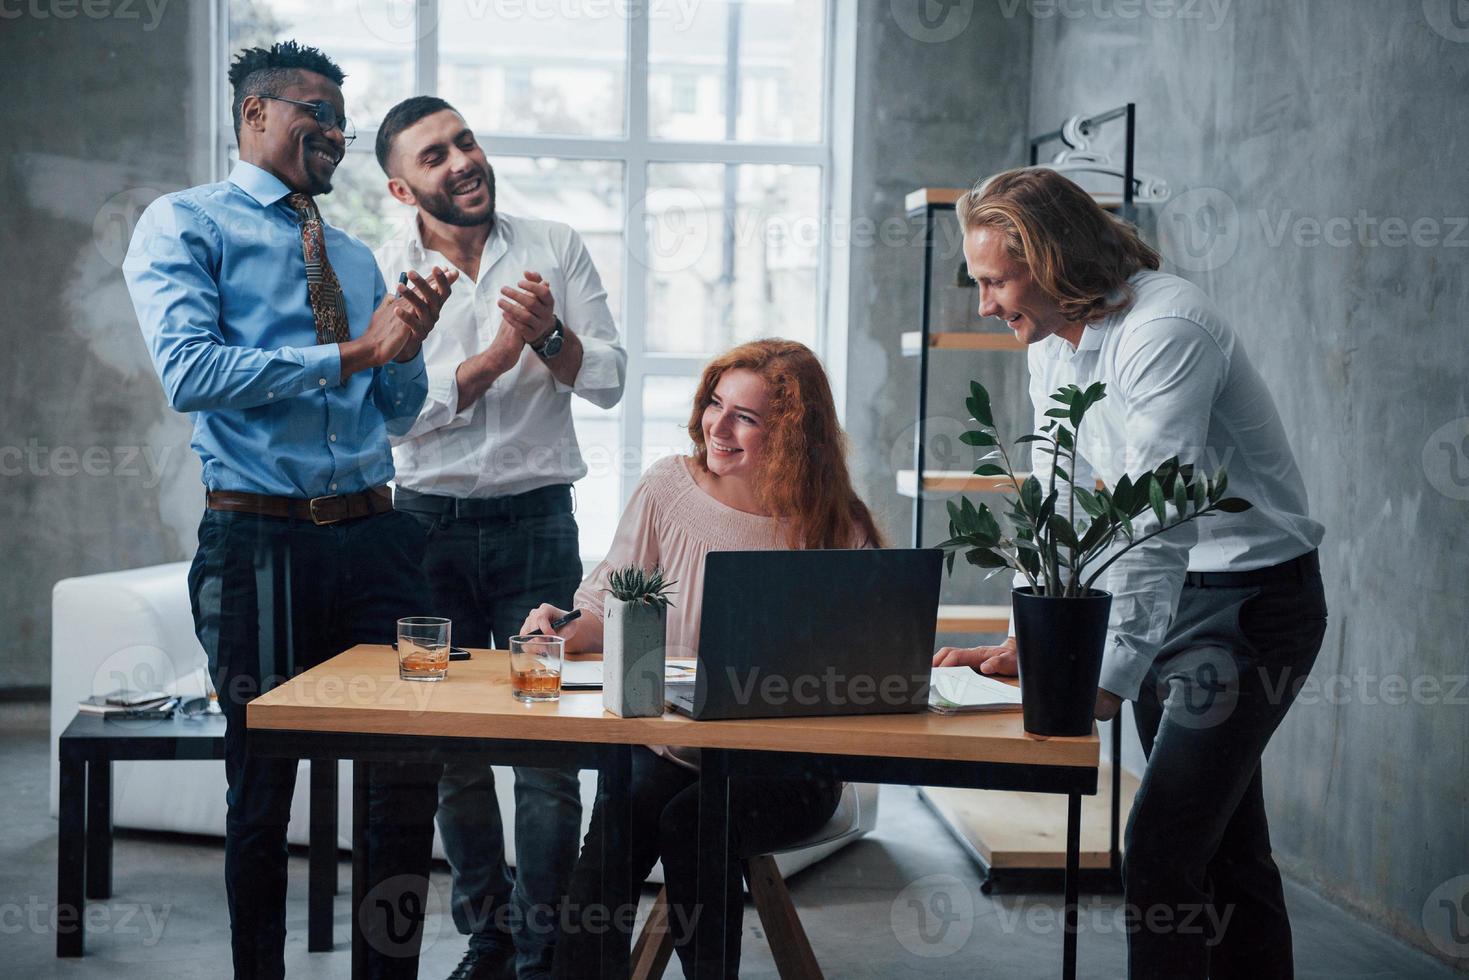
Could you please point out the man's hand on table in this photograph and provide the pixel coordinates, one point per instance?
(1001, 660)
(987, 660)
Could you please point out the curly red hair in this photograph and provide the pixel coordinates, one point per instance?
(804, 477)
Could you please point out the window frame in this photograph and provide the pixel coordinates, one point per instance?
(635, 150)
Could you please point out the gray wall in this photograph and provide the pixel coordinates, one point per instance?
(937, 105)
(101, 114)
(1270, 119)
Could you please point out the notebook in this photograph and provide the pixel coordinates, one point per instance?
(956, 689)
(586, 675)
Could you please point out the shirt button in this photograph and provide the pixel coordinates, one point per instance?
(334, 486)
(270, 394)
(321, 381)
(333, 437)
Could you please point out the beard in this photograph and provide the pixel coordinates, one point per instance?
(442, 205)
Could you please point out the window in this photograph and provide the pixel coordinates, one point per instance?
(688, 144)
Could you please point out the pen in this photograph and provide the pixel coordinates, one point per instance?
(556, 624)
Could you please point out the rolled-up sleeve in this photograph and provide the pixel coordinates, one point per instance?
(171, 272)
(1170, 371)
(604, 360)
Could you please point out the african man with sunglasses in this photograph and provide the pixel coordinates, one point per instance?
(275, 331)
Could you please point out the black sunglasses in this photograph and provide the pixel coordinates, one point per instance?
(325, 114)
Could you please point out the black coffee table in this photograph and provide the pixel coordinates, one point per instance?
(88, 748)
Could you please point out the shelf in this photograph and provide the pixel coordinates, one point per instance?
(1028, 830)
(959, 481)
(924, 196)
(955, 481)
(974, 619)
(993, 340)
(948, 196)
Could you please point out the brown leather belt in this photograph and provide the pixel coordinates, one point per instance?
(318, 510)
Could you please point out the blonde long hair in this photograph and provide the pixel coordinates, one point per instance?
(804, 476)
(1080, 255)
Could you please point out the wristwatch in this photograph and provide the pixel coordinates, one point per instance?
(550, 345)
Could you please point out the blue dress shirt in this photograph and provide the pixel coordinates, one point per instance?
(218, 281)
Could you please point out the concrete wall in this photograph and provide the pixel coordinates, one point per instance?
(102, 112)
(939, 101)
(1317, 154)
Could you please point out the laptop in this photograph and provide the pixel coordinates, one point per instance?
(788, 634)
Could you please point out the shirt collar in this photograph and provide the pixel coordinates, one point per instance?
(412, 238)
(265, 187)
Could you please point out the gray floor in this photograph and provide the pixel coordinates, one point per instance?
(902, 903)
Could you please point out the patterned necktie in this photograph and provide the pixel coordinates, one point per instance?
(322, 288)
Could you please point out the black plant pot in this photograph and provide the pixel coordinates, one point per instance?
(1059, 645)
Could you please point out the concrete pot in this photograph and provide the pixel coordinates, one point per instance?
(633, 641)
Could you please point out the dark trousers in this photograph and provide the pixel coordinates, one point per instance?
(486, 573)
(1204, 893)
(764, 816)
(272, 597)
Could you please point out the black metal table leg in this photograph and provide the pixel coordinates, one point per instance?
(361, 774)
(322, 878)
(71, 857)
(99, 828)
(615, 941)
(713, 875)
(1073, 873)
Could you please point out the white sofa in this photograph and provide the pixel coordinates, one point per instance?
(134, 628)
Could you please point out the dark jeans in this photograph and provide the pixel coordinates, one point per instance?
(764, 816)
(1198, 845)
(486, 574)
(272, 597)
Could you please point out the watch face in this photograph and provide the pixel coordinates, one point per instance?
(552, 346)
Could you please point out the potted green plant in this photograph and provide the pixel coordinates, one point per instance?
(635, 619)
(1060, 616)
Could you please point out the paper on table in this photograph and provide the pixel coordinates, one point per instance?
(963, 689)
(587, 674)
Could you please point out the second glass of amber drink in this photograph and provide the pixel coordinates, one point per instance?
(535, 667)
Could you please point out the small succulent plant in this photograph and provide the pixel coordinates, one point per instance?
(632, 584)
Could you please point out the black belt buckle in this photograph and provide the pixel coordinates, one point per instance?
(317, 517)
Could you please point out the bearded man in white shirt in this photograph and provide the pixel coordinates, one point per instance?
(488, 469)
(1214, 624)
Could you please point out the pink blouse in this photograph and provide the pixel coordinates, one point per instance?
(670, 521)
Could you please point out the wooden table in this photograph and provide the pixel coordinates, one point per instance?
(355, 707)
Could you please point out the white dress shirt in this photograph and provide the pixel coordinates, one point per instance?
(519, 436)
(1178, 383)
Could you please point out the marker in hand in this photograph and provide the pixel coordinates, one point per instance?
(556, 624)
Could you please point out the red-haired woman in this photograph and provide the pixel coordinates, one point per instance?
(768, 471)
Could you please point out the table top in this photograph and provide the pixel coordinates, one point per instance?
(87, 725)
(359, 692)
